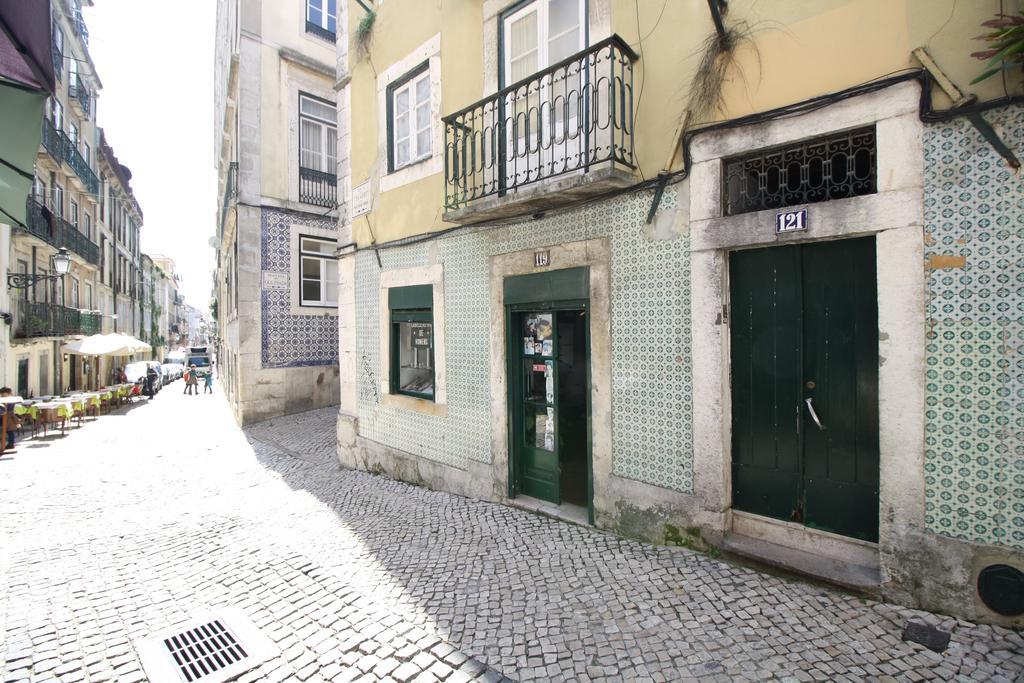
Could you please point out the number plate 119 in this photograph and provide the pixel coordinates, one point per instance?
(790, 221)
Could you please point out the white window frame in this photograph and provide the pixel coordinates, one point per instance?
(328, 295)
(88, 296)
(76, 293)
(328, 153)
(325, 15)
(73, 213)
(56, 113)
(414, 105)
(429, 52)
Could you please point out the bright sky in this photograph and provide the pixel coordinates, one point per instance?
(155, 60)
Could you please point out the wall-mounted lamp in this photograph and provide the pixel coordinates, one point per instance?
(61, 262)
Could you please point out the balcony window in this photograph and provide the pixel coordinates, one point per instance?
(73, 217)
(57, 113)
(322, 18)
(319, 272)
(318, 144)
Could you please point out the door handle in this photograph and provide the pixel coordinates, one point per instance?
(814, 415)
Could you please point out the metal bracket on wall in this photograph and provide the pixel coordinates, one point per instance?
(960, 100)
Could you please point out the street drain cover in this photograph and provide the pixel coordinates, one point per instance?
(215, 648)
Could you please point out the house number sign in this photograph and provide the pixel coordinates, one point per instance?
(790, 221)
(541, 259)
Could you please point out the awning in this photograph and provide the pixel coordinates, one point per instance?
(26, 78)
(106, 345)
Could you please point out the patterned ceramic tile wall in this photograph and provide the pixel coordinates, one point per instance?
(650, 341)
(974, 423)
(291, 340)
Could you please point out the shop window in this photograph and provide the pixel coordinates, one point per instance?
(412, 341)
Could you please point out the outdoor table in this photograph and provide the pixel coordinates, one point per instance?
(29, 410)
(77, 403)
(52, 412)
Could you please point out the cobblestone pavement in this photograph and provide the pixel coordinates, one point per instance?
(143, 519)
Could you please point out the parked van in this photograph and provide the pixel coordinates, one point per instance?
(199, 357)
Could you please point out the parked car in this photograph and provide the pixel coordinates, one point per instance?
(137, 371)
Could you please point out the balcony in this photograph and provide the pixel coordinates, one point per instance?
(56, 231)
(52, 141)
(80, 92)
(78, 164)
(318, 30)
(563, 133)
(317, 187)
(41, 319)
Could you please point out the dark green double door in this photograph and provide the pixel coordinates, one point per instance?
(804, 334)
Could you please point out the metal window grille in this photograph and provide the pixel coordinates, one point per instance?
(834, 167)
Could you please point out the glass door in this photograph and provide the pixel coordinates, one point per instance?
(536, 431)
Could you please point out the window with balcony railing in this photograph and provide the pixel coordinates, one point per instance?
(318, 142)
(568, 117)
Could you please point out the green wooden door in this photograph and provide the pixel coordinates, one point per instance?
(536, 439)
(804, 336)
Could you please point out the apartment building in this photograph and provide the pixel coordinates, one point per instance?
(667, 272)
(61, 213)
(276, 151)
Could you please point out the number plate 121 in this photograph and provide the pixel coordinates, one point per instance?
(790, 221)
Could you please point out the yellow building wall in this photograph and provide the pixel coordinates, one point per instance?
(792, 50)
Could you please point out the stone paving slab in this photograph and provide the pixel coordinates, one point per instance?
(357, 577)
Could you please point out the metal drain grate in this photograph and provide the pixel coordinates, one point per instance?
(218, 647)
(200, 651)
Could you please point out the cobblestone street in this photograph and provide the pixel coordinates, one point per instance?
(149, 516)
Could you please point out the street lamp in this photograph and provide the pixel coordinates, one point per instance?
(61, 262)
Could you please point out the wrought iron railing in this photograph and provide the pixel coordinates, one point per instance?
(317, 187)
(79, 91)
(52, 141)
(54, 230)
(230, 192)
(91, 323)
(75, 12)
(817, 170)
(78, 164)
(36, 319)
(568, 117)
(317, 29)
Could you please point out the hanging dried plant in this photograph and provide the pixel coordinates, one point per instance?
(364, 31)
(719, 57)
(1007, 45)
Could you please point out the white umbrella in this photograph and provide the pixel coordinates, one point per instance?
(106, 345)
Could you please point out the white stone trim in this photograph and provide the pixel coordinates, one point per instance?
(429, 52)
(294, 280)
(424, 275)
(895, 216)
(594, 254)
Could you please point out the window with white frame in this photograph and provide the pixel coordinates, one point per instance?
(322, 17)
(318, 135)
(73, 132)
(75, 293)
(409, 120)
(88, 296)
(318, 272)
(57, 113)
(87, 226)
(73, 218)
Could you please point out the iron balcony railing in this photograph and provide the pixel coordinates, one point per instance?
(230, 192)
(317, 29)
(75, 12)
(42, 319)
(79, 91)
(52, 142)
(568, 117)
(318, 187)
(54, 230)
(78, 164)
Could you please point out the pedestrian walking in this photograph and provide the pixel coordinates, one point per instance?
(191, 381)
(208, 382)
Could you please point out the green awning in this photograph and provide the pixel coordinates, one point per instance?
(21, 118)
